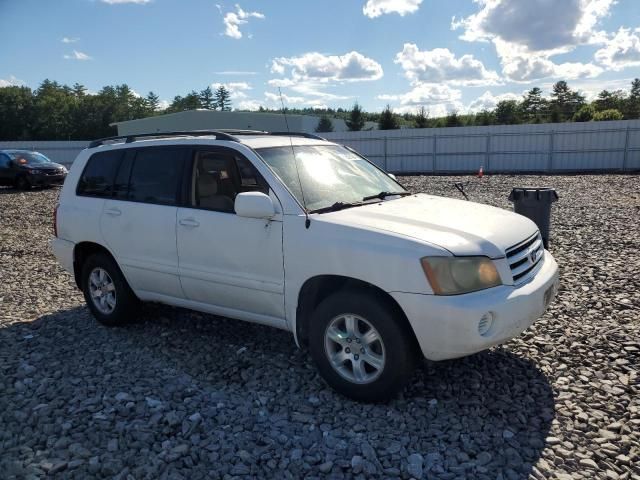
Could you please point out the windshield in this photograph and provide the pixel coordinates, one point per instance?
(29, 157)
(329, 174)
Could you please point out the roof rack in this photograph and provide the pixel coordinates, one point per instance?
(219, 134)
(279, 134)
(223, 134)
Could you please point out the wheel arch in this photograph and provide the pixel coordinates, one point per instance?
(81, 252)
(316, 289)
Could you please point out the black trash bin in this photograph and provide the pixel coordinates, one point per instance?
(535, 203)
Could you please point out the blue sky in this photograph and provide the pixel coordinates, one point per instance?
(445, 55)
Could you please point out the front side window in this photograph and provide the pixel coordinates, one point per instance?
(327, 174)
(156, 175)
(218, 177)
(98, 175)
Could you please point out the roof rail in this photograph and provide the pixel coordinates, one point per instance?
(263, 132)
(219, 134)
(297, 134)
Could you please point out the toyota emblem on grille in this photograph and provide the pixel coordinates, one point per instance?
(533, 254)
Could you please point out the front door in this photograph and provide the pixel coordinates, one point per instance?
(230, 263)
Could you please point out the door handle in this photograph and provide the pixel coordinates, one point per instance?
(189, 222)
(113, 212)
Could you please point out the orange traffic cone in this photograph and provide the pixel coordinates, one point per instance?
(480, 172)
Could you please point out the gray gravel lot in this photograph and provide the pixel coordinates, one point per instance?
(185, 395)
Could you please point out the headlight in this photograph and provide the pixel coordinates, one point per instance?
(456, 275)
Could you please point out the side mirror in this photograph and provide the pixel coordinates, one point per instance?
(254, 205)
(393, 176)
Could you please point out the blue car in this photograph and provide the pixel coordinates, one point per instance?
(24, 169)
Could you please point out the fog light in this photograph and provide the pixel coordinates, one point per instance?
(485, 324)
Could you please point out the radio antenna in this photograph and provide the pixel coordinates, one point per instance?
(307, 221)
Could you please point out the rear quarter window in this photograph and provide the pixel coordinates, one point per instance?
(99, 173)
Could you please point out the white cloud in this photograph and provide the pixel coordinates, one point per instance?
(526, 68)
(119, 2)
(249, 105)
(69, 39)
(538, 25)
(438, 99)
(274, 97)
(76, 55)
(163, 104)
(526, 33)
(488, 101)
(233, 20)
(11, 82)
(441, 65)
(352, 66)
(375, 8)
(621, 51)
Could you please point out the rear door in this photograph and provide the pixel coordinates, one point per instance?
(139, 222)
(232, 264)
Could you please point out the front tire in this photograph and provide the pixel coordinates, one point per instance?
(360, 346)
(22, 183)
(107, 293)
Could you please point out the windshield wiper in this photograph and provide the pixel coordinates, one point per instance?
(336, 206)
(383, 195)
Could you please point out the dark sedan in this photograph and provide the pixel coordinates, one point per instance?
(24, 169)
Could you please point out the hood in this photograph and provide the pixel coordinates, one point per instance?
(462, 227)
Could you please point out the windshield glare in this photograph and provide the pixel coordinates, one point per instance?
(329, 174)
(29, 157)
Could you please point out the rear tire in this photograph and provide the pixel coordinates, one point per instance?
(360, 346)
(107, 293)
(22, 183)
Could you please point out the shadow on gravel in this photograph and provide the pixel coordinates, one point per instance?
(195, 395)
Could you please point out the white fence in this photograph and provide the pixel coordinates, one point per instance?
(552, 147)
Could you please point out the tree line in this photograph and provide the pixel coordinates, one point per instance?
(60, 112)
(563, 105)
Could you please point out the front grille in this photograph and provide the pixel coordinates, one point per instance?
(525, 257)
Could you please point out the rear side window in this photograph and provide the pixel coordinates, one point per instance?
(98, 175)
(156, 176)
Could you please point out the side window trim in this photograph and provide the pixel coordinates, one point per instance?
(231, 153)
(183, 167)
(84, 171)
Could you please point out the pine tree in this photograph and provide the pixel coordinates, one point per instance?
(507, 112)
(223, 98)
(325, 124)
(632, 108)
(152, 102)
(355, 122)
(207, 99)
(388, 120)
(79, 90)
(453, 120)
(422, 118)
(564, 101)
(534, 106)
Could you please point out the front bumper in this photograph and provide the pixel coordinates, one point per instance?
(448, 326)
(42, 179)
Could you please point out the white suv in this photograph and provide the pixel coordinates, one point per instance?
(293, 231)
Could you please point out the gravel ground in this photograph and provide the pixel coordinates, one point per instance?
(185, 395)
